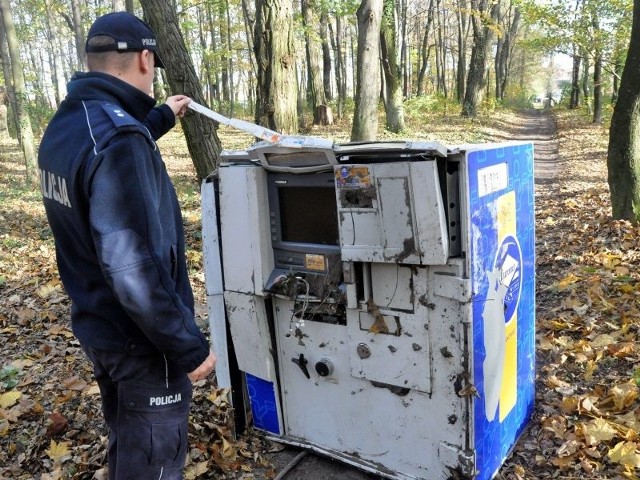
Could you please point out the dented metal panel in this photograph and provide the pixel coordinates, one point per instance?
(245, 228)
(431, 222)
(214, 283)
(250, 332)
(392, 213)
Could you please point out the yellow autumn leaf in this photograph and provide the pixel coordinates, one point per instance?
(603, 340)
(569, 404)
(608, 260)
(226, 447)
(567, 281)
(597, 431)
(47, 290)
(619, 398)
(626, 288)
(4, 427)
(8, 399)
(590, 369)
(625, 454)
(57, 451)
(195, 470)
(630, 420)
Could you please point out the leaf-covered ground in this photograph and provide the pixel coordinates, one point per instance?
(586, 420)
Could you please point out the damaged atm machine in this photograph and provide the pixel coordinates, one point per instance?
(376, 300)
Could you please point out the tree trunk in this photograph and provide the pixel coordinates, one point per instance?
(463, 33)
(477, 66)
(391, 70)
(4, 101)
(441, 84)
(276, 93)
(223, 8)
(10, 98)
(504, 51)
(232, 93)
(200, 132)
(405, 61)
(215, 89)
(316, 95)
(55, 58)
(78, 34)
(424, 52)
(326, 56)
(597, 89)
(365, 116)
(24, 122)
(341, 69)
(623, 160)
(586, 90)
(249, 26)
(574, 101)
(597, 73)
(617, 73)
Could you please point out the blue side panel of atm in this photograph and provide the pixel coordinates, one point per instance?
(502, 269)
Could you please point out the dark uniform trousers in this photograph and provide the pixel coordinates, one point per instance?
(146, 405)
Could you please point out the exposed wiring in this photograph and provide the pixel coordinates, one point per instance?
(298, 313)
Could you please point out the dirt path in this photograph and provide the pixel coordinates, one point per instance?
(537, 126)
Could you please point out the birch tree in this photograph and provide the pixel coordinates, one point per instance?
(24, 122)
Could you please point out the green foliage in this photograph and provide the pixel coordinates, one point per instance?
(8, 377)
(344, 8)
(433, 104)
(517, 97)
(40, 114)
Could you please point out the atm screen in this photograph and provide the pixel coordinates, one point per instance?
(308, 215)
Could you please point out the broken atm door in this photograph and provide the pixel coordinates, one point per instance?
(380, 300)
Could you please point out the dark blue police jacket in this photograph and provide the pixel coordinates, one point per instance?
(117, 222)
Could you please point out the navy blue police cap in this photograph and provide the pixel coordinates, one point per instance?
(130, 34)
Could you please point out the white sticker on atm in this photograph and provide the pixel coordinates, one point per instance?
(493, 179)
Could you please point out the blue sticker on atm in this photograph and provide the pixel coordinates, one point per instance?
(263, 404)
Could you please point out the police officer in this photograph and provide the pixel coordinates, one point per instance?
(120, 248)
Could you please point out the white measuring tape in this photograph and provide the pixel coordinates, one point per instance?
(248, 127)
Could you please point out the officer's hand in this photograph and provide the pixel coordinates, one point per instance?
(204, 369)
(178, 104)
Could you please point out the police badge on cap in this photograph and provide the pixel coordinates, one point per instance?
(129, 33)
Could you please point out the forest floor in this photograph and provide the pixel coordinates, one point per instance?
(586, 421)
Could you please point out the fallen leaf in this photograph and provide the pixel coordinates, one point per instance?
(597, 431)
(625, 454)
(8, 399)
(58, 452)
(57, 424)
